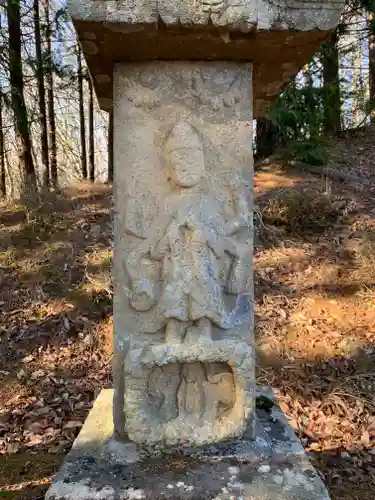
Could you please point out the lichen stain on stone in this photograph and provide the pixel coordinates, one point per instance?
(264, 469)
(81, 491)
(295, 479)
(233, 470)
(133, 494)
(278, 479)
(156, 468)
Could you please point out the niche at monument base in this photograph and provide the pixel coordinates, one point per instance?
(198, 391)
(179, 394)
(185, 259)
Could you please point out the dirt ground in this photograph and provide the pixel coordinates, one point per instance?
(315, 321)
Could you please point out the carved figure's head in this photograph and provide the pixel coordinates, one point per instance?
(184, 155)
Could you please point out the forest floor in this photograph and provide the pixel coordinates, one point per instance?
(315, 319)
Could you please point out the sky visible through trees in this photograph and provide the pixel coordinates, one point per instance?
(320, 101)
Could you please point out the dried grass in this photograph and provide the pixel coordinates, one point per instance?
(302, 211)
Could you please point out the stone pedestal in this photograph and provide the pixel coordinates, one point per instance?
(270, 467)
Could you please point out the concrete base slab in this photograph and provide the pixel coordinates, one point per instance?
(273, 466)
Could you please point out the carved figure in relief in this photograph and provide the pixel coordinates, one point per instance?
(229, 91)
(201, 391)
(195, 245)
(206, 391)
(219, 91)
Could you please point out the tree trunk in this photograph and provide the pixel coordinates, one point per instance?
(42, 99)
(91, 132)
(51, 101)
(309, 89)
(371, 56)
(268, 137)
(23, 141)
(331, 96)
(82, 115)
(110, 147)
(3, 189)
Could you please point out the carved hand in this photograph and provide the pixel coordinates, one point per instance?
(144, 297)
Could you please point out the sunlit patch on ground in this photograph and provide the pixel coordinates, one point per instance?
(315, 325)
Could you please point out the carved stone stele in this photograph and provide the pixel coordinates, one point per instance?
(184, 364)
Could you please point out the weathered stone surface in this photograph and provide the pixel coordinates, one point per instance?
(183, 252)
(189, 394)
(272, 466)
(236, 15)
(278, 36)
(183, 301)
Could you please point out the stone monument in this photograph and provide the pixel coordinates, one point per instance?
(183, 78)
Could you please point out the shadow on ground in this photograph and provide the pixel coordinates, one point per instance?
(315, 317)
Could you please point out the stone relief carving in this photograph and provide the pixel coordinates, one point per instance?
(205, 391)
(188, 394)
(223, 90)
(186, 264)
(232, 15)
(229, 98)
(236, 13)
(196, 245)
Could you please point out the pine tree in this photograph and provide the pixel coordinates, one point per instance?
(91, 131)
(23, 141)
(41, 95)
(51, 99)
(331, 96)
(371, 57)
(3, 189)
(81, 114)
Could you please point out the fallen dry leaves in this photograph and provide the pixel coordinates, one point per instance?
(54, 350)
(315, 327)
(315, 330)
